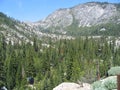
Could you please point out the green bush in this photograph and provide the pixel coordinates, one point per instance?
(114, 71)
(111, 83)
(96, 85)
(100, 88)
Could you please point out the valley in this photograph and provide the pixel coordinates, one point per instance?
(72, 44)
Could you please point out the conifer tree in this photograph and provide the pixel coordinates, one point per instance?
(2, 60)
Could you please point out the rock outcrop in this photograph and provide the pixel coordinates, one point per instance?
(73, 86)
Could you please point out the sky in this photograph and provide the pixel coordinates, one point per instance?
(35, 10)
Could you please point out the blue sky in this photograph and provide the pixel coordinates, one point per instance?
(34, 10)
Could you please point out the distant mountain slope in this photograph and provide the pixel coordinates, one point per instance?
(17, 32)
(92, 19)
(14, 30)
(65, 21)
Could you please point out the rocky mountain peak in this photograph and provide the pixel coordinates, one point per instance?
(87, 14)
(93, 13)
(61, 17)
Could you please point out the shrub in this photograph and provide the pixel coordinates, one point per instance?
(100, 88)
(111, 83)
(114, 71)
(96, 84)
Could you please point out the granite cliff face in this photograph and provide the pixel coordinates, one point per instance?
(61, 18)
(88, 14)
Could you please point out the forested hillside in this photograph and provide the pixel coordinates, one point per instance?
(64, 60)
(108, 29)
(80, 43)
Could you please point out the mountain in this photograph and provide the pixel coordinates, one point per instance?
(18, 32)
(81, 17)
(92, 19)
(14, 30)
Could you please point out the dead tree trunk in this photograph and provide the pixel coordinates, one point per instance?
(118, 82)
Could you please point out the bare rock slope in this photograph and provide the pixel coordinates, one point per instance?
(87, 14)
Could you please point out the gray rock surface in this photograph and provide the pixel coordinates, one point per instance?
(84, 15)
(72, 86)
